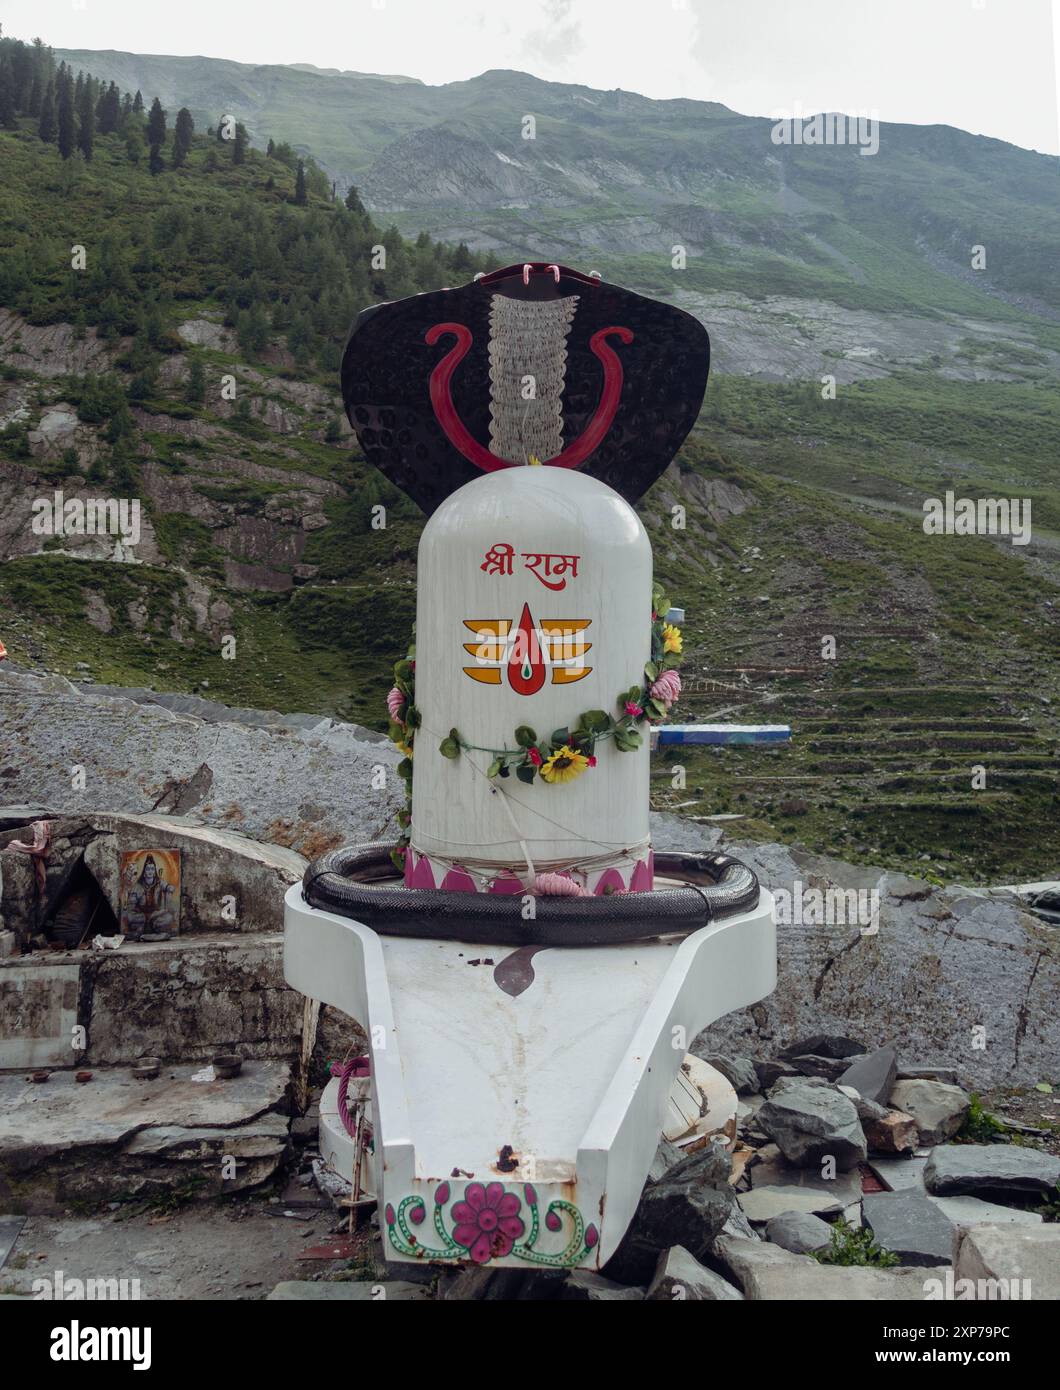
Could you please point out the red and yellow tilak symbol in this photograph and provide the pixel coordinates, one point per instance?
(528, 651)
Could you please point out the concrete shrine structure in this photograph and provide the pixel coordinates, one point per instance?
(528, 973)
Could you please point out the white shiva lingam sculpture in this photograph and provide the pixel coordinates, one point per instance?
(530, 981)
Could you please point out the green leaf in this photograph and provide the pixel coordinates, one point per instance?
(412, 717)
(403, 670)
(404, 818)
(656, 708)
(526, 772)
(627, 740)
(404, 769)
(525, 736)
(662, 606)
(449, 748)
(494, 768)
(396, 733)
(1044, 1087)
(560, 738)
(651, 671)
(595, 721)
(397, 855)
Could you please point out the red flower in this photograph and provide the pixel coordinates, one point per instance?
(592, 762)
(487, 1224)
(633, 709)
(534, 756)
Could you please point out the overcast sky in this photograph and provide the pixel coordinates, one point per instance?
(988, 66)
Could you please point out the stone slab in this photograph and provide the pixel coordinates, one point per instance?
(766, 1272)
(38, 1012)
(900, 1173)
(911, 1226)
(348, 1291)
(973, 1211)
(762, 1204)
(1026, 1256)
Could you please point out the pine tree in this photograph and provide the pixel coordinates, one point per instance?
(156, 163)
(47, 126)
(67, 128)
(270, 148)
(299, 186)
(239, 148)
(156, 123)
(195, 387)
(8, 115)
(353, 201)
(86, 122)
(138, 103)
(108, 114)
(185, 129)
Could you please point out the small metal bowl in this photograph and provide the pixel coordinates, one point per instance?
(147, 1068)
(226, 1065)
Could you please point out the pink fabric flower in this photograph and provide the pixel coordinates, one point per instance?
(667, 688)
(633, 709)
(534, 756)
(592, 762)
(558, 886)
(395, 703)
(487, 1223)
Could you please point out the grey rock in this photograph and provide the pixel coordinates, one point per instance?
(738, 1071)
(479, 1283)
(678, 1276)
(911, 1225)
(983, 957)
(899, 1174)
(810, 1123)
(867, 1109)
(134, 751)
(1025, 1256)
(799, 1231)
(769, 1073)
(841, 1190)
(768, 1272)
(873, 1075)
(824, 1045)
(762, 1204)
(586, 1286)
(827, 1068)
(736, 1224)
(937, 1108)
(963, 1168)
(667, 1156)
(688, 1207)
(946, 1074)
(973, 1211)
(348, 1291)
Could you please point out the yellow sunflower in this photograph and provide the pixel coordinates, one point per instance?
(403, 748)
(564, 765)
(672, 639)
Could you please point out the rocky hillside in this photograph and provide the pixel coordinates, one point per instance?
(801, 258)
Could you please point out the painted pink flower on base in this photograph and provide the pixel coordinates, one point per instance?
(487, 1221)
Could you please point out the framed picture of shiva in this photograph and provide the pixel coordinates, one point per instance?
(150, 893)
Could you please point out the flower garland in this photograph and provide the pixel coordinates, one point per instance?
(567, 752)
